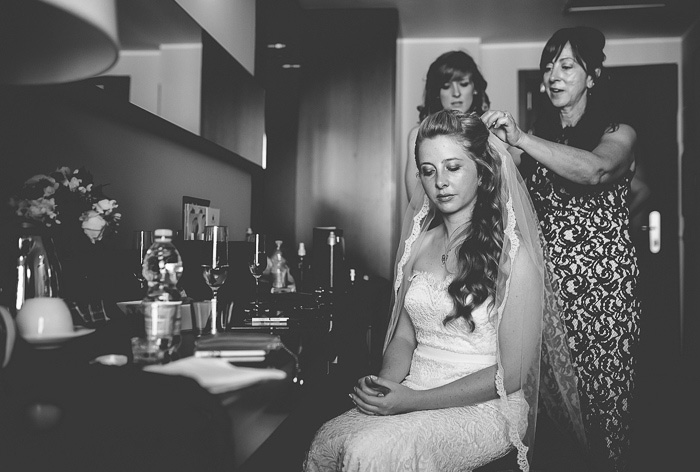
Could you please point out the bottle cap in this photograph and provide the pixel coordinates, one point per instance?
(302, 250)
(279, 243)
(163, 233)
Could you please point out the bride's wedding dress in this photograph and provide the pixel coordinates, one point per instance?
(449, 439)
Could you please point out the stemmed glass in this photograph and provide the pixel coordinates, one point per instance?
(257, 265)
(215, 270)
(142, 240)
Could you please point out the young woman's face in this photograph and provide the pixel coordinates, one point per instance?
(565, 80)
(458, 94)
(448, 175)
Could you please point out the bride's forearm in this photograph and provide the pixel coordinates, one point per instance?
(397, 360)
(475, 388)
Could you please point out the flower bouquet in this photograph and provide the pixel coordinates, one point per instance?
(81, 221)
(67, 197)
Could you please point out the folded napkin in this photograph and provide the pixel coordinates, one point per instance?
(217, 375)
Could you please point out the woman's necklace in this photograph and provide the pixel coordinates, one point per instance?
(448, 247)
(445, 255)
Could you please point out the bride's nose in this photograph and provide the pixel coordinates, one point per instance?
(441, 181)
(456, 92)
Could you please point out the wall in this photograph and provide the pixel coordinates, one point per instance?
(690, 178)
(345, 153)
(230, 22)
(146, 173)
(165, 81)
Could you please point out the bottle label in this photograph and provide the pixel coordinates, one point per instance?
(279, 278)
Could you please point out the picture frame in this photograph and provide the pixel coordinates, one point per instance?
(194, 217)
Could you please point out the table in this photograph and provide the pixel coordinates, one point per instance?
(121, 418)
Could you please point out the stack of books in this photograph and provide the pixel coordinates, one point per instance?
(239, 347)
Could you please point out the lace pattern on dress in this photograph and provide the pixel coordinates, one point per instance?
(415, 231)
(511, 414)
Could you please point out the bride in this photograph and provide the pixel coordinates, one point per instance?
(460, 378)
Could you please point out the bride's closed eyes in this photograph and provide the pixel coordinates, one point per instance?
(429, 170)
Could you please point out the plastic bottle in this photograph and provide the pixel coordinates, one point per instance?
(162, 268)
(279, 269)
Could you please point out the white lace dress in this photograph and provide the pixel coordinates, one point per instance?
(450, 439)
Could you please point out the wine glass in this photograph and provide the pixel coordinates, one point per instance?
(257, 265)
(142, 240)
(215, 270)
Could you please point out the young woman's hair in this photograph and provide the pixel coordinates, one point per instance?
(587, 47)
(450, 66)
(480, 251)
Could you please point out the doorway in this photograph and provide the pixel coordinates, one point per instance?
(646, 97)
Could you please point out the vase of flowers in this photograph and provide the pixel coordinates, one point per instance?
(71, 212)
(65, 198)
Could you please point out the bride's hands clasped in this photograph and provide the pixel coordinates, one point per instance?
(377, 396)
(503, 125)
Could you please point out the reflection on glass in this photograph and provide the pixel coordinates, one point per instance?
(142, 240)
(215, 270)
(257, 265)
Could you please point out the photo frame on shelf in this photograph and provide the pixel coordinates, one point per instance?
(194, 217)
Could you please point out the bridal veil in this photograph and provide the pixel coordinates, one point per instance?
(532, 348)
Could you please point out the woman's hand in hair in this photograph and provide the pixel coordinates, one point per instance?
(503, 125)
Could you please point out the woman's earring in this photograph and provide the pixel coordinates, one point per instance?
(542, 88)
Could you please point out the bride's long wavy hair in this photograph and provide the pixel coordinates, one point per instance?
(480, 251)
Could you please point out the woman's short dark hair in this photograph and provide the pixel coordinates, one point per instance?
(446, 68)
(587, 47)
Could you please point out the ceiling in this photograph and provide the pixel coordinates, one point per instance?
(146, 24)
(498, 21)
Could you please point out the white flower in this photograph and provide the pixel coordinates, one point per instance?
(105, 206)
(73, 183)
(93, 225)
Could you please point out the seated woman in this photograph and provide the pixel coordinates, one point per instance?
(459, 383)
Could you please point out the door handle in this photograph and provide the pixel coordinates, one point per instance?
(654, 229)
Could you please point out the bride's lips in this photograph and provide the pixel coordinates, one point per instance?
(445, 198)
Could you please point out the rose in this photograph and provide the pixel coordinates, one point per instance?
(105, 206)
(70, 195)
(93, 225)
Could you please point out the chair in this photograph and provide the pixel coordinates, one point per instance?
(364, 310)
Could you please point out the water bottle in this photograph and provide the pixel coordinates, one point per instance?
(162, 269)
(279, 269)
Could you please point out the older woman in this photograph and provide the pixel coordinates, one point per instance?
(582, 163)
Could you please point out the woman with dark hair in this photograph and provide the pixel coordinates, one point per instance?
(453, 82)
(459, 382)
(582, 163)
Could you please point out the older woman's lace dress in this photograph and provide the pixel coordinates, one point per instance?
(450, 439)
